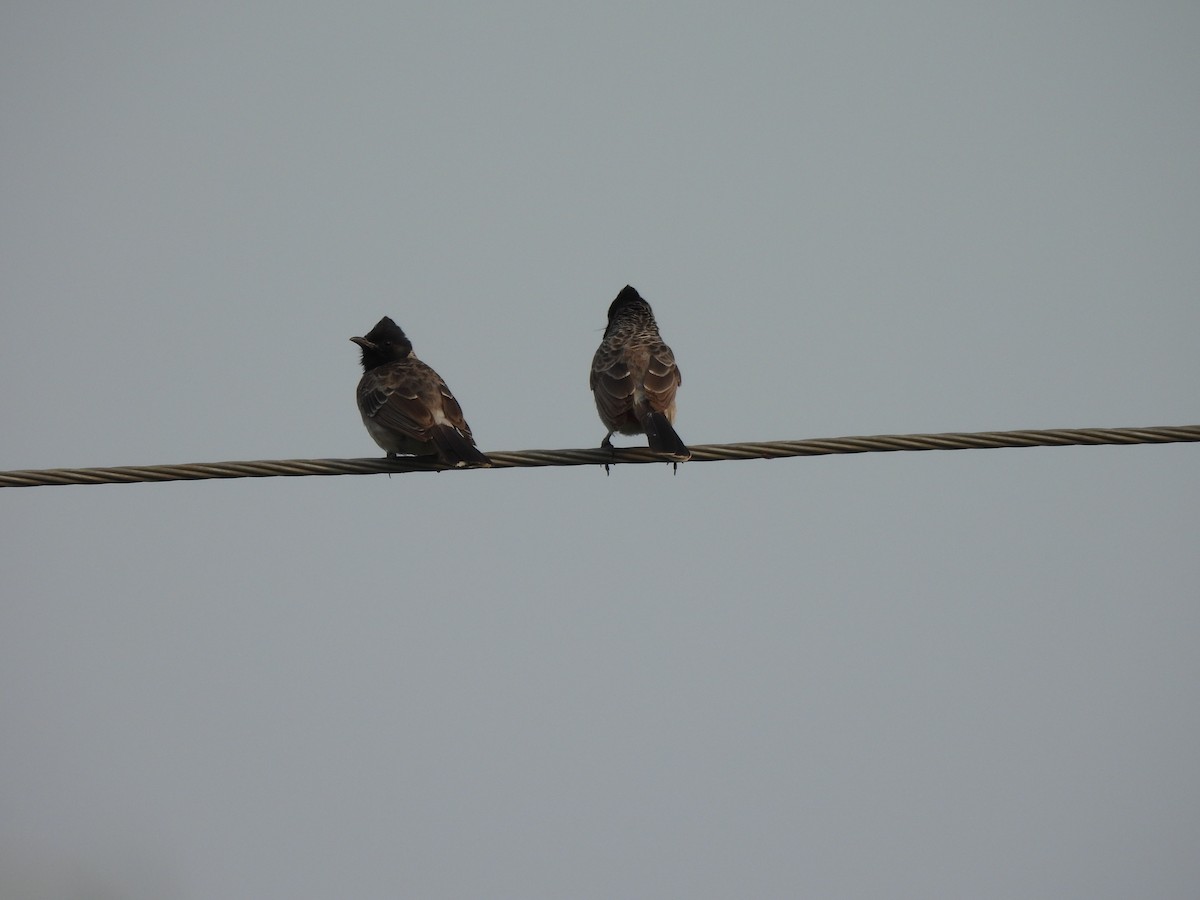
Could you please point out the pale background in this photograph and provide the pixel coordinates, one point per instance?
(952, 675)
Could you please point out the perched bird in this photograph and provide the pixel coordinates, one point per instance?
(406, 406)
(634, 377)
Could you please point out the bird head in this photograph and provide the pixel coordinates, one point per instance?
(629, 301)
(384, 343)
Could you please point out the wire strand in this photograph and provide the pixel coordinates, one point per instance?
(884, 443)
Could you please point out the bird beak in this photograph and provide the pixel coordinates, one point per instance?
(363, 342)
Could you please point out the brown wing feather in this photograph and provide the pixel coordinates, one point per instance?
(661, 380)
(404, 397)
(613, 384)
(451, 410)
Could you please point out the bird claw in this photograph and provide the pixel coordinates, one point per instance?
(607, 444)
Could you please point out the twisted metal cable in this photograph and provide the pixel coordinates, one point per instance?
(884, 443)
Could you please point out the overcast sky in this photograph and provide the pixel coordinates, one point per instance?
(969, 674)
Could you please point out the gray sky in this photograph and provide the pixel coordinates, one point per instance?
(908, 675)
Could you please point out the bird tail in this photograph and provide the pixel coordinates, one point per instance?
(456, 449)
(662, 437)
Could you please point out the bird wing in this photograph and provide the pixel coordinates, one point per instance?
(662, 377)
(450, 408)
(407, 397)
(613, 383)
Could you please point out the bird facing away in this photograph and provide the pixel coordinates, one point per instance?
(634, 377)
(406, 406)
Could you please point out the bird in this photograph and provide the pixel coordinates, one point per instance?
(634, 377)
(406, 406)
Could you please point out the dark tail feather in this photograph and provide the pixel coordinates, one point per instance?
(455, 449)
(662, 437)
